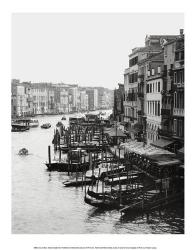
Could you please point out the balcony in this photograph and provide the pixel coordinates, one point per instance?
(178, 112)
(166, 112)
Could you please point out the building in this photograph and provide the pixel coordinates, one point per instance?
(14, 107)
(73, 98)
(23, 104)
(47, 98)
(118, 110)
(153, 96)
(83, 100)
(92, 98)
(172, 131)
(41, 98)
(135, 84)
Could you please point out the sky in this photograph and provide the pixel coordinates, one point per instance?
(85, 49)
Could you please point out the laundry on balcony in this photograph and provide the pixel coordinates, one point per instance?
(162, 143)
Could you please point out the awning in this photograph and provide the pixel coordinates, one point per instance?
(169, 162)
(161, 143)
(147, 150)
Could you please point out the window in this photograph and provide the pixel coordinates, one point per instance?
(181, 129)
(175, 126)
(153, 87)
(159, 87)
(159, 69)
(152, 72)
(147, 88)
(181, 76)
(158, 108)
(175, 100)
(175, 77)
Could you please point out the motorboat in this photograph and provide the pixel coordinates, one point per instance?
(46, 125)
(20, 125)
(33, 123)
(63, 118)
(23, 151)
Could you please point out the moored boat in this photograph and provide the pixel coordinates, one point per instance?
(23, 151)
(20, 125)
(33, 123)
(46, 125)
(63, 118)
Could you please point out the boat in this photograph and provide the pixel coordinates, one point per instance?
(105, 203)
(20, 125)
(66, 167)
(63, 118)
(23, 151)
(78, 182)
(46, 125)
(19, 128)
(59, 124)
(33, 123)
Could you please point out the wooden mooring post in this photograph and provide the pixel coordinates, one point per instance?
(49, 155)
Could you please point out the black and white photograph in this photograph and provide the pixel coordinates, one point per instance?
(97, 123)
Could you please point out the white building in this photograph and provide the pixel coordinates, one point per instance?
(154, 105)
(39, 92)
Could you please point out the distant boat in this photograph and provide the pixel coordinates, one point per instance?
(33, 123)
(46, 125)
(23, 151)
(20, 125)
(63, 118)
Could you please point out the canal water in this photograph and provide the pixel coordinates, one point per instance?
(42, 205)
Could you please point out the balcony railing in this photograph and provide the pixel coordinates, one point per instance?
(178, 112)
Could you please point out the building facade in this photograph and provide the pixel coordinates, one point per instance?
(118, 110)
(135, 83)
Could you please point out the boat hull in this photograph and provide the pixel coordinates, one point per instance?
(65, 167)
